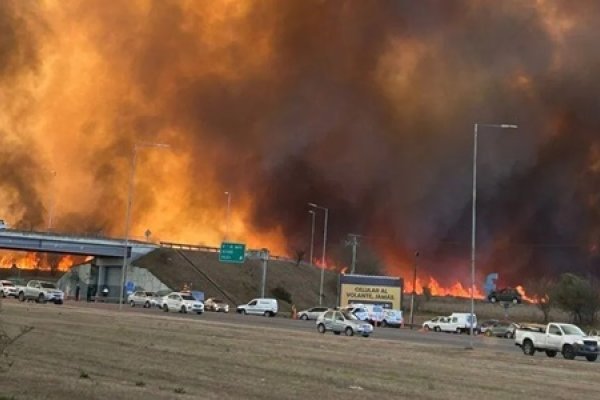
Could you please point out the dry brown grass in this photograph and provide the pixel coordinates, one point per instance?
(99, 354)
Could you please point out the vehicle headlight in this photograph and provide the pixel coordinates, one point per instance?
(579, 342)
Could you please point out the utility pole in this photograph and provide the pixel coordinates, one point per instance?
(264, 255)
(353, 241)
(414, 285)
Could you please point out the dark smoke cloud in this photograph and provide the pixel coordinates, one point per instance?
(368, 108)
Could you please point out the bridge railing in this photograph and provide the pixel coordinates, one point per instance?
(209, 249)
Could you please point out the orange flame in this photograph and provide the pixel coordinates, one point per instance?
(32, 261)
(455, 290)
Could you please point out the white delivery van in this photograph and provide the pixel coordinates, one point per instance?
(266, 307)
(457, 322)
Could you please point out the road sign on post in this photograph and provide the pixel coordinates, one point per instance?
(233, 253)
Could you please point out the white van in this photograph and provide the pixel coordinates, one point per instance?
(456, 322)
(266, 307)
(376, 313)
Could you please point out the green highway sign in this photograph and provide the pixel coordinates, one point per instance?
(234, 253)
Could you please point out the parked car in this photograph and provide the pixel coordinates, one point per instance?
(8, 289)
(485, 325)
(557, 338)
(312, 313)
(505, 329)
(266, 307)
(217, 305)
(158, 300)
(41, 292)
(141, 298)
(392, 318)
(359, 310)
(347, 322)
(506, 295)
(182, 302)
(431, 323)
(3, 225)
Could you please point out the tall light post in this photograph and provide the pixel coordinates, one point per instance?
(228, 194)
(312, 235)
(136, 147)
(474, 217)
(313, 205)
(414, 285)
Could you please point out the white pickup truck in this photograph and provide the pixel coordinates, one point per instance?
(557, 338)
(41, 292)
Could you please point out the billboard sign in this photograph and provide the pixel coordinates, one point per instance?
(367, 289)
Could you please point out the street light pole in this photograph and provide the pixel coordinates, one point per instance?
(474, 219)
(126, 256)
(324, 249)
(312, 235)
(414, 285)
(228, 214)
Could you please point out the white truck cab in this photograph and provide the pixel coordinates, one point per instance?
(261, 306)
(557, 338)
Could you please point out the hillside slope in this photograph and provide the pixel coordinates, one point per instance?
(239, 283)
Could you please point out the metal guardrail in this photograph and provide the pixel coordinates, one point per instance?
(209, 249)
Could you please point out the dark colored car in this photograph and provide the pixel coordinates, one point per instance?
(505, 329)
(507, 295)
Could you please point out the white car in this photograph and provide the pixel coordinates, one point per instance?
(41, 292)
(3, 225)
(141, 298)
(159, 300)
(343, 321)
(392, 318)
(312, 313)
(182, 302)
(266, 307)
(217, 305)
(8, 289)
(359, 310)
(430, 324)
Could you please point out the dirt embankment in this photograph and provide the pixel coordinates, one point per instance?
(239, 283)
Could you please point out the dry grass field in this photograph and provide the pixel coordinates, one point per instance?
(85, 353)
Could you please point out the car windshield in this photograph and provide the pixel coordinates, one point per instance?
(572, 330)
(187, 297)
(48, 285)
(7, 284)
(377, 309)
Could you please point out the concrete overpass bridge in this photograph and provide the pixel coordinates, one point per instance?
(44, 242)
(104, 270)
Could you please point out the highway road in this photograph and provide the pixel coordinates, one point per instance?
(401, 335)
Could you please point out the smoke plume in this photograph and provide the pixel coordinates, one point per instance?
(364, 107)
